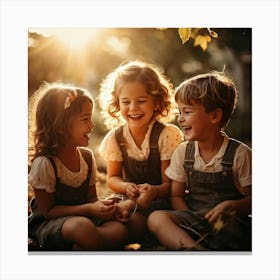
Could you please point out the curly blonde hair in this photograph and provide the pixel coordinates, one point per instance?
(51, 110)
(157, 85)
(212, 90)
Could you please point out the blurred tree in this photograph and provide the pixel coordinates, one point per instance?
(179, 52)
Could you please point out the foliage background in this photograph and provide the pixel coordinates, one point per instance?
(85, 56)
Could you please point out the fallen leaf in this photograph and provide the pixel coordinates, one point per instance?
(132, 247)
(219, 224)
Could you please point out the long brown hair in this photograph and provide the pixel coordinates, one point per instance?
(51, 110)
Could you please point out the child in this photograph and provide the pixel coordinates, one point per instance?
(215, 169)
(136, 97)
(66, 213)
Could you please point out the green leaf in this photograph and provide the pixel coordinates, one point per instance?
(185, 34)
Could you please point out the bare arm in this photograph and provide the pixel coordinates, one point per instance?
(49, 210)
(114, 174)
(91, 194)
(163, 190)
(178, 201)
(242, 206)
(117, 183)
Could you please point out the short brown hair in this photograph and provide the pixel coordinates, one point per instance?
(212, 90)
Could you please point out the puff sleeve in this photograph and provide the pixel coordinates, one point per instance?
(109, 148)
(41, 175)
(175, 171)
(242, 165)
(169, 139)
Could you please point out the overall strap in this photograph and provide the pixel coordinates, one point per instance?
(50, 158)
(155, 133)
(228, 157)
(121, 141)
(189, 155)
(88, 158)
(86, 155)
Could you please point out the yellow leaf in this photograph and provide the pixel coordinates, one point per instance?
(219, 224)
(202, 41)
(132, 247)
(185, 34)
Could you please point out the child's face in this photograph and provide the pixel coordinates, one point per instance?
(136, 105)
(195, 123)
(82, 125)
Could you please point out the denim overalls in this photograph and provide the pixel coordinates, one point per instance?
(146, 171)
(48, 232)
(206, 190)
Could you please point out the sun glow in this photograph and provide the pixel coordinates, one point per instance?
(75, 39)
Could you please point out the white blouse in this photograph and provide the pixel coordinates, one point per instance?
(170, 137)
(42, 176)
(242, 163)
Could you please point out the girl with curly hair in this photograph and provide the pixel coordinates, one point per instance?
(136, 103)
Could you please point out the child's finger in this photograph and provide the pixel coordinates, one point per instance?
(108, 202)
(133, 193)
(134, 190)
(211, 216)
(125, 214)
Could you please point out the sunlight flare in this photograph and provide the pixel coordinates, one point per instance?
(75, 39)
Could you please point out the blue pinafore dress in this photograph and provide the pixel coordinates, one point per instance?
(206, 190)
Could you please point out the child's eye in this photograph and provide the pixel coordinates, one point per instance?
(125, 102)
(142, 101)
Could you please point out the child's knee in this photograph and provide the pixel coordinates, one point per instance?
(138, 220)
(120, 228)
(77, 226)
(115, 231)
(155, 219)
(137, 227)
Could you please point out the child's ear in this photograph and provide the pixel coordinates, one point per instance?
(217, 116)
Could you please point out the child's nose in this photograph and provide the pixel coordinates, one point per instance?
(133, 105)
(180, 118)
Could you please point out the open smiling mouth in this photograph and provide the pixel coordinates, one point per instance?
(186, 129)
(87, 135)
(135, 116)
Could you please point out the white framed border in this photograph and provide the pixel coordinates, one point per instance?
(262, 17)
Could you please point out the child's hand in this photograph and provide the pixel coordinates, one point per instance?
(104, 209)
(147, 195)
(125, 210)
(213, 215)
(132, 190)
